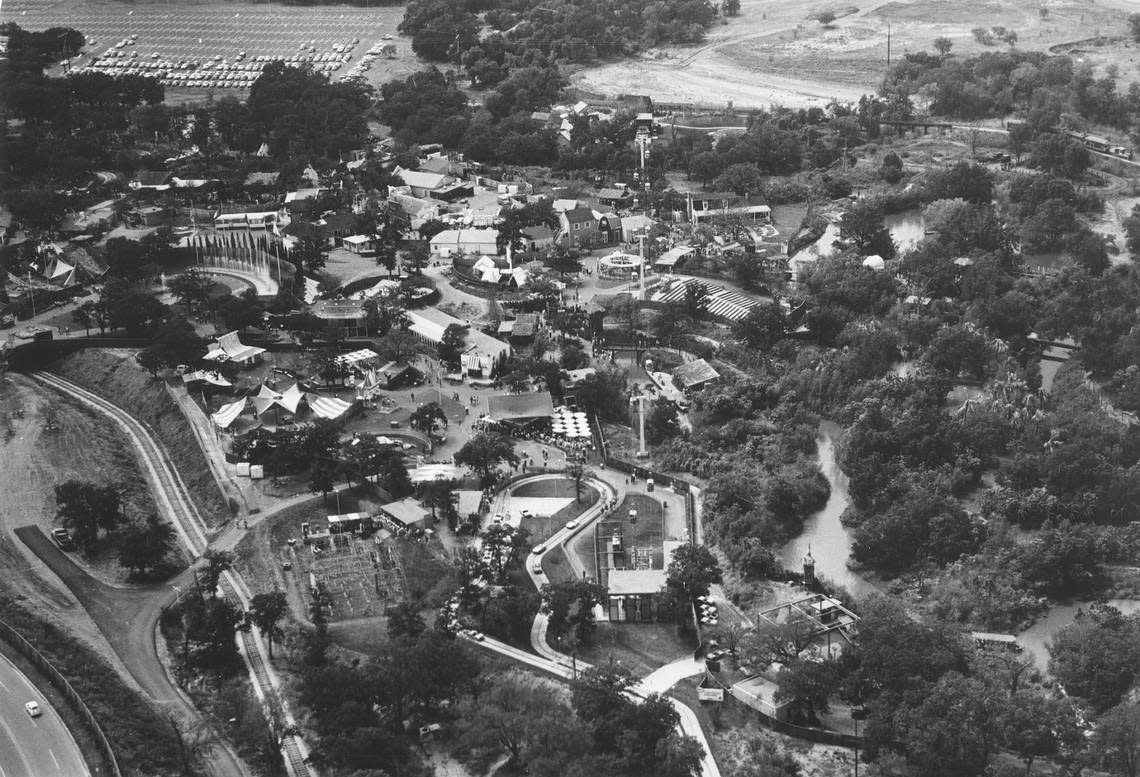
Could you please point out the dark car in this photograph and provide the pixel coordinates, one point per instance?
(63, 539)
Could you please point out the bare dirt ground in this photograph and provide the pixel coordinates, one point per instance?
(32, 464)
(775, 53)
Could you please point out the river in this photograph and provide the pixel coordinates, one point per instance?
(823, 533)
(1036, 637)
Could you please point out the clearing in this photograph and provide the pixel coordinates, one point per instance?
(84, 446)
(776, 53)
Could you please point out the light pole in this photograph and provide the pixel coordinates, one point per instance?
(640, 399)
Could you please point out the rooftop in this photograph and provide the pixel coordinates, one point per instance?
(695, 373)
(633, 582)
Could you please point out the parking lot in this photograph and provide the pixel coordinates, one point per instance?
(188, 42)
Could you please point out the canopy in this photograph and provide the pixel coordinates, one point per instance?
(228, 414)
(430, 472)
(328, 407)
(266, 398)
(209, 377)
(355, 357)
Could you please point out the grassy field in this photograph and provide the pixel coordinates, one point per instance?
(638, 647)
(115, 376)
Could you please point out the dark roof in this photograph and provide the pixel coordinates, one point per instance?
(339, 223)
(541, 232)
(523, 329)
(509, 407)
(695, 373)
(152, 177)
(580, 216)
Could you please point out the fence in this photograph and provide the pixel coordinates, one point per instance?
(26, 649)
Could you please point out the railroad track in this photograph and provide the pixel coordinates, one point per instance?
(174, 501)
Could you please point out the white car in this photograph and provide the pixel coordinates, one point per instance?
(572, 523)
(33, 709)
(539, 549)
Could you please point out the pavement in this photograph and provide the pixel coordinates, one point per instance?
(127, 616)
(33, 747)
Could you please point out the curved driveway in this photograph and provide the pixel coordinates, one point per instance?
(33, 747)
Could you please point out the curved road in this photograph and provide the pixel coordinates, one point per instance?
(176, 506)
(33, 747)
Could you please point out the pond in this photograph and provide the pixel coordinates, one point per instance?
(1036, 637)
(825, 535)
(906, 228)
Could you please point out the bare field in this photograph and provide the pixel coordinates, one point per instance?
(775, 53)
(34, 461)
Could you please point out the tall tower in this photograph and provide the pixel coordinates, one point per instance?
(809, 568)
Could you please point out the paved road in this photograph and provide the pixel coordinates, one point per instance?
(33, 747)
(175, 504)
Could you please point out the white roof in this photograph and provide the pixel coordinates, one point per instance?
(420, 180)
(290, 399)
(227, 414)
(328, 407)
(875, 262)
(629, 582)
(353, 357)
(561, 205)
(356, 240)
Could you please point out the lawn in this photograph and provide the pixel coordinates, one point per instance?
(638, 647)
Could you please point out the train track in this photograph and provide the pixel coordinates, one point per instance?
(175, 503)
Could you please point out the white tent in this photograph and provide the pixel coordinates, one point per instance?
(228, 414)
(266, 398)
(875, 262)
(328, 407)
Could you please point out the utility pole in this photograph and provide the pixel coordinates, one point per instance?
(888, 45)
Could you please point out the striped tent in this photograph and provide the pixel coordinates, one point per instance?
(327, 407)
(228, 414)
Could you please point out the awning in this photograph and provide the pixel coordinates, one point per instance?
(228, 414)
(290, 399)
(328, 407)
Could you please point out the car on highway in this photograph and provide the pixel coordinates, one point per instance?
(572, 523)
(33, 709)
(536, 567)
(540, 548)
(63, 539)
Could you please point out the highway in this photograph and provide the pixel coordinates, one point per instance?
(33, 747)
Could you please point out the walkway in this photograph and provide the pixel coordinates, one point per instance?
(614, 485)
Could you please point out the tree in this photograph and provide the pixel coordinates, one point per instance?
(564, 260)
(943, 46)
(218, 562)
(154, 358)
(763, 327)
(953, 730)
(321, 481)
(144, 547)
(782, 643)
(265, 612)
(705, 166)
(863, 226)
(1035, 725)
(692, 570)
(485, 452)
(825, 18)
(1116, 740)
(808, 685)
(519, 712)
(578, 470)
(742, 178)
(85, 508)
(451, 345)
(571, 606)
(191, 288)
(84, 316)
(405, 621)
(730, 7)
(663, 422)
(425, 417)
(1134, 25)
(1096, 656)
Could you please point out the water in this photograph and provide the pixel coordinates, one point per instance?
(828, 538)
(906, 228)
(1036, 637)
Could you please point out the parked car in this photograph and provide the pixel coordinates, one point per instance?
(63, 539)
